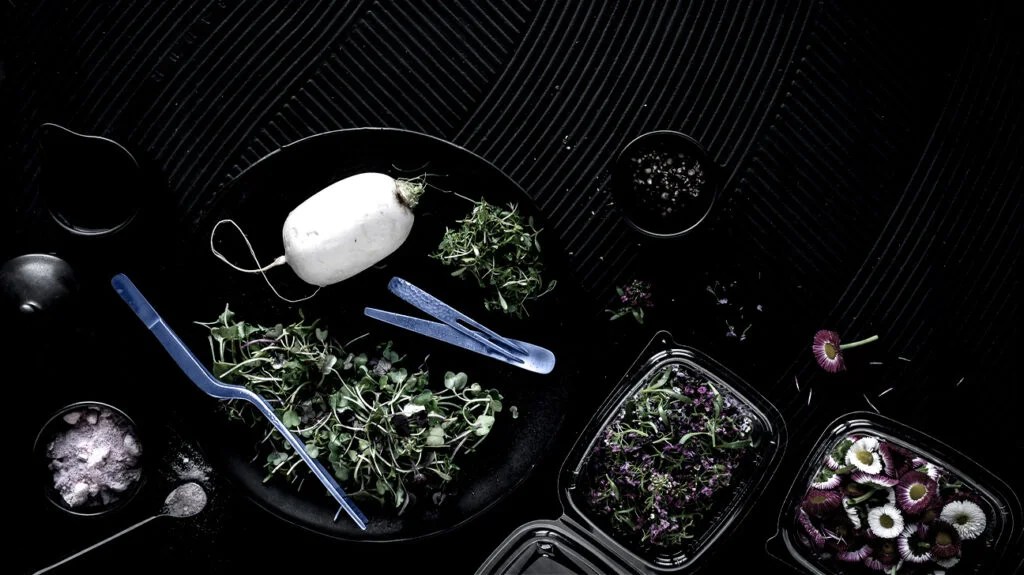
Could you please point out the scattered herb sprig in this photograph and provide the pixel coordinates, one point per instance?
(633, 299)
(375, 423)
(501, 252)
(663, 464)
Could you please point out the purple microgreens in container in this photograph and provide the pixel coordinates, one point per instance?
(876, 507)
(667, 462)
(632, 300)
(828, 349)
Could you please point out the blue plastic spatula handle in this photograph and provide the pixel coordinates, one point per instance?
(460, 330)
(214, 387)
(425, 302)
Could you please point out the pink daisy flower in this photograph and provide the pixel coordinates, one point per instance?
(945, 540)
(829, 351)
(819, 502)
(915, 492)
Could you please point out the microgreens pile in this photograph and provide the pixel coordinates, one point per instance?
(666, 462)
(875, 506)
(501, 252)
(375, 423)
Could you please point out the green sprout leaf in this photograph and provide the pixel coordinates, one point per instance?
(290, 419)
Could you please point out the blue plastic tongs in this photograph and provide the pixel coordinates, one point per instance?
(213, 387)
(460, 330)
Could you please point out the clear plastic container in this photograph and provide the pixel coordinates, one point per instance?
(991, 552)
(581, 541)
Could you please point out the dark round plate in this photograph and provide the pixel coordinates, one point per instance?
(260, 199)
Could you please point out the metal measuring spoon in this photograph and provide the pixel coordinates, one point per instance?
(186, 500)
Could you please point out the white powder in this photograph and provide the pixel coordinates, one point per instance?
(188, 465)
(96, 459)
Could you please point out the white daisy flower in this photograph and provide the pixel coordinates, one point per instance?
(851, 512)
(863, 455)
(886, 521)
(947, 563)
(966, 517)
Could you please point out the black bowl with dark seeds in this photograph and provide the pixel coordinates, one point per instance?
(664, 183)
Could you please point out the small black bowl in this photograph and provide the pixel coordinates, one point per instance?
(34, 285)
(56, 424)
(664, 183)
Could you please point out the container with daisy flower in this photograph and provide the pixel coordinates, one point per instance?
(875, 496)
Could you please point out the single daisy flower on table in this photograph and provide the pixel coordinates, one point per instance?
(966, 517)
(863, 455)
(915, 492)
(828, 349)
(886, 521)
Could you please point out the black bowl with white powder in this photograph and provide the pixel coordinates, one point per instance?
(90, 457)
(664, 183)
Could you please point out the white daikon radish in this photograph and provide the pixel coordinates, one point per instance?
(344, 228)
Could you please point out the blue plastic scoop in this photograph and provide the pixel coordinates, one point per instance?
(213, 387)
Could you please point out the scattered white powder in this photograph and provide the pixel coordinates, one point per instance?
(96, 459)
(188, 465)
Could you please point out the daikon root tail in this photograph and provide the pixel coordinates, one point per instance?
(261, 270)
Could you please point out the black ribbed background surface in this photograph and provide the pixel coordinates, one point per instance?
(872, 184)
